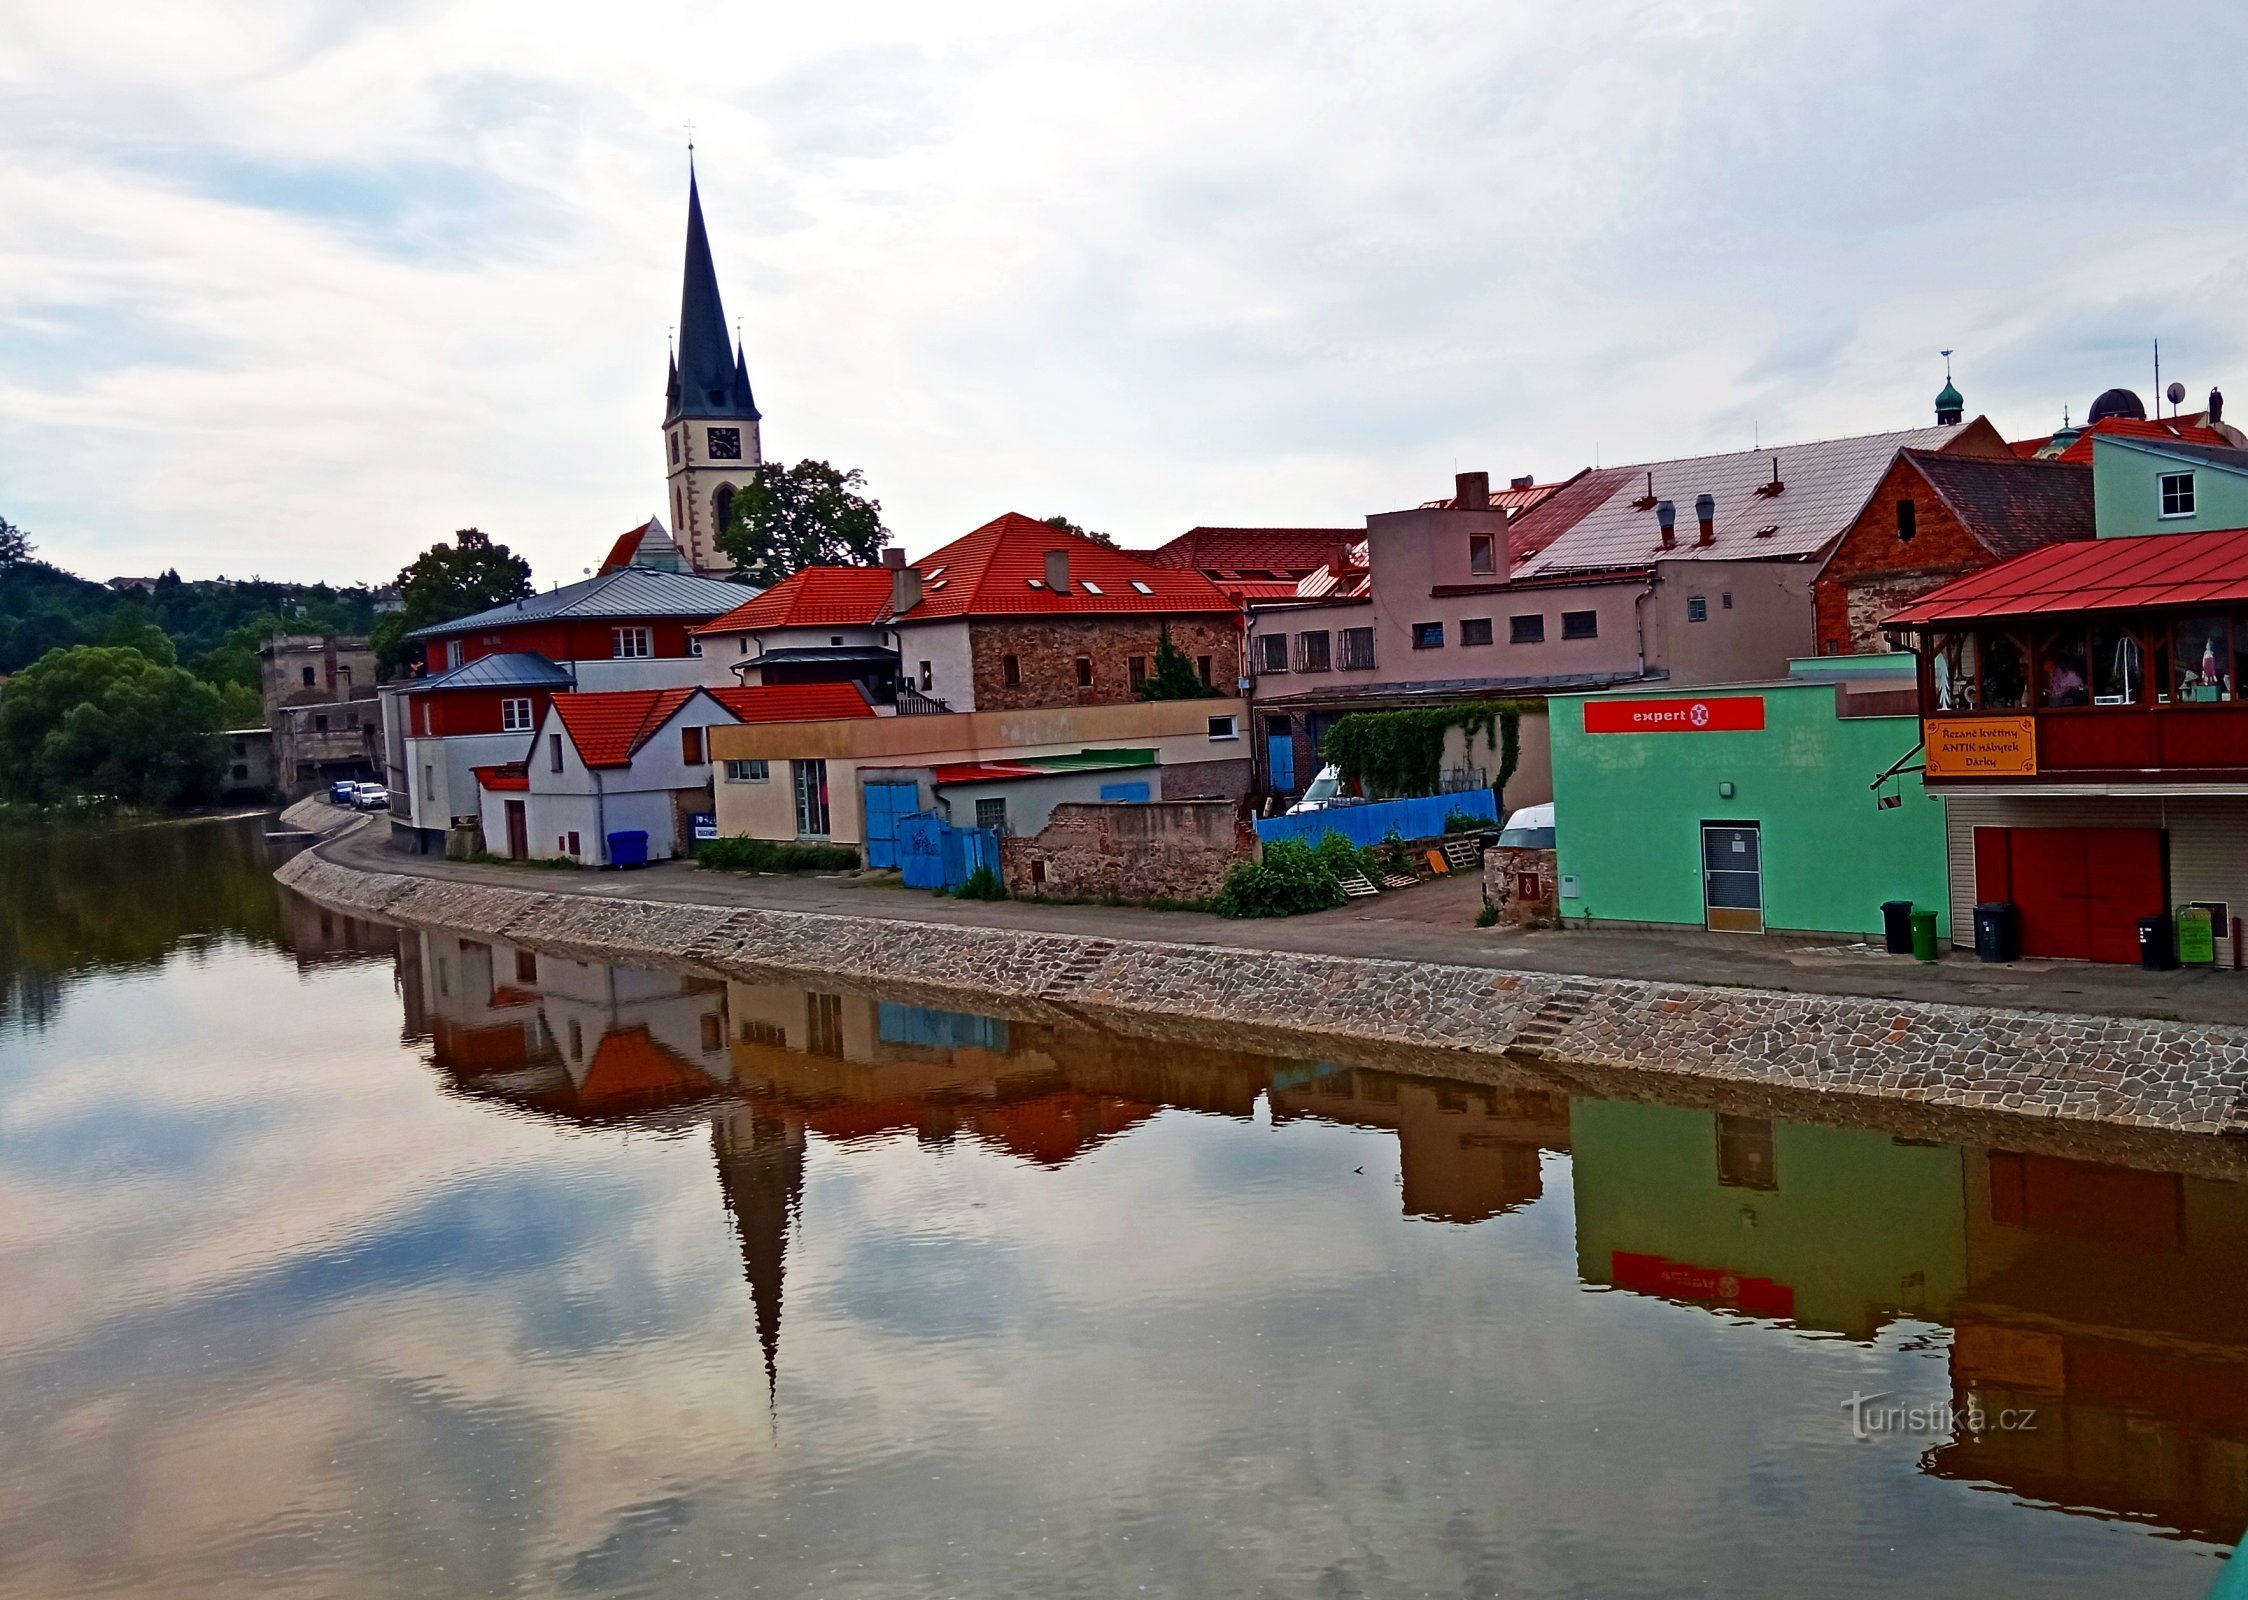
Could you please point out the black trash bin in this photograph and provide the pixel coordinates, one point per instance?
(1998, 931)
(1896, 927)
(2158, 947)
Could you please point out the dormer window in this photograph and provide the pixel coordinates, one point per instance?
(2177, 494)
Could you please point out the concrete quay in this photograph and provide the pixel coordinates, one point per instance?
(1380, 987)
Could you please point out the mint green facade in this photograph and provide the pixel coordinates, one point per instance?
(1629, 808)
(2127, 490)
(1860, 1227)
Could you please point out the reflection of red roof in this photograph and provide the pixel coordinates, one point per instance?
(2172, 430)
(607, 728)
(794, 702)
(2162, 569)
(817, 597)
(1053, 1129)
(630, 1065)
(1000, 570)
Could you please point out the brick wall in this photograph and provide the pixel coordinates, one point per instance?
(1871, 564)
(1208, 780)
(1046, 650)
(1521, 884)
(1163, 850)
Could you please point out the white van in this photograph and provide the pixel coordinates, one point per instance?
(1530, 828)
(1325, 792)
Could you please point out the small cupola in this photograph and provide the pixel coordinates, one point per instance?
(1951, 405)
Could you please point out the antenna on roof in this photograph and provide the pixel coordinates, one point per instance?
(2158, 378)
(1946, 354)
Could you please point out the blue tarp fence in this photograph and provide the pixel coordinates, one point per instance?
(1371, 824)
(933, 854)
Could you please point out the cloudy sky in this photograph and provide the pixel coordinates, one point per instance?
(294, 290)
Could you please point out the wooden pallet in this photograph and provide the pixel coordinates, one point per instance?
(1356, 886)
(1463, 852)
(1398, 880)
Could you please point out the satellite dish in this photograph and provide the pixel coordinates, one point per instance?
(2176, 393)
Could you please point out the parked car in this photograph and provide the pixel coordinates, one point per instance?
(370, 797)
(1326, 792)
(343, 792)
(1530, 828)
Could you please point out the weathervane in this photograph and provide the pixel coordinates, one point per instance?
(1946, 354)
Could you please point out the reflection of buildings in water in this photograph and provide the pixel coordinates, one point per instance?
(319, 936)
(2110, 1300)
(761, 1173)
(1467, 1151)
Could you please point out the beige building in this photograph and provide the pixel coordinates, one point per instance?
(321, 705)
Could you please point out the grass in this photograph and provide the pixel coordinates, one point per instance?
(737, 854)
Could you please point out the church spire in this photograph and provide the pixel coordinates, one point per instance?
(708, 363)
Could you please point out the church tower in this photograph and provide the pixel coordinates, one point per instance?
(710, 418)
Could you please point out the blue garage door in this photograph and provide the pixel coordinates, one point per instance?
(885, 803)
(1135, 793)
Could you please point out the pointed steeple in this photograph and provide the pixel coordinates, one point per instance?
(707, 360)
(744, 401)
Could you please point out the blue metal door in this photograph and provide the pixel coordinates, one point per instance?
(1135, 793)
(966, 849)
(1280, 752)
(885, 804)
(921, 849)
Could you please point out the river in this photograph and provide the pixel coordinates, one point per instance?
(340, 1259)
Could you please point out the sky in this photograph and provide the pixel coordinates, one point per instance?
(295, 291)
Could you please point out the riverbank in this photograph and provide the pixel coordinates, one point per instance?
(2115, 1070)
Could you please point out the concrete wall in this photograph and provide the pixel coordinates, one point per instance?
(1629, 808)
(2127, 492)
(1166, 850)
(1768, 623)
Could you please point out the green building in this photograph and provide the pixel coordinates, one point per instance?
(2142, 486)
(1751, 807)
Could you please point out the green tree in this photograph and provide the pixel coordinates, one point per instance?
(1174, 677)
(106, 719)
(15, 545)
(240, 706)
(809, 515)
(131, 629)
(469, 575)
(1068, 526)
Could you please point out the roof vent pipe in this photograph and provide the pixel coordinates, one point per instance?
(1057, 571)
(1666, 517)
(1705, 512)
(1528, 480)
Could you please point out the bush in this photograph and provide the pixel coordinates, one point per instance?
(1291, 879)
(1488, 917)
(1466, 822)
(765, 855)
(1343, 858)
(983, 884)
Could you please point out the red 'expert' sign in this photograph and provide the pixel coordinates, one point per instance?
(1724, 713)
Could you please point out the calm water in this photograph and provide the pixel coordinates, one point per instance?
(344, 1260)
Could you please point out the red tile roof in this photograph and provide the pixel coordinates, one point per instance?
(817, 597)
(514, 775)
(621, 553)
(2163, 569)
(794, 702)
(1000, 571)
(2177, 430)
(1255, 553)
(1530, 532)
(1510, 499)
(608, 728)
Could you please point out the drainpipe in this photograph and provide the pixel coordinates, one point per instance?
(1639, 621)
(601, 814)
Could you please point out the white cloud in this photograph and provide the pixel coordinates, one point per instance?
(299, 290)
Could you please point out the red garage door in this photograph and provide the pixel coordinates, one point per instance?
(2081, 891)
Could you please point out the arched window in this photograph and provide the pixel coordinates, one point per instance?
(722, 507)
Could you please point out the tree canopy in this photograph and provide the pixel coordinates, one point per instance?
(809, 515)
(108, 720)
(446, 581)
(1174, 677)
(15, 545)
(1068, 526)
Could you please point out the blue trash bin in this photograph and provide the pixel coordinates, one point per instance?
(629, 848)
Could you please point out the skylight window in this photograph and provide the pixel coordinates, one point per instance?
(940, 583)
(1143, 588)
(1036, 583)
(935, 573)
(1089, 586)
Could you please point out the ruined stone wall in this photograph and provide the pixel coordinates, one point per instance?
(1522, 885)
(1045, 650)
(1163, 850)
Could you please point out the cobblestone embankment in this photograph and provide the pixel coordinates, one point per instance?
(2182, 1078)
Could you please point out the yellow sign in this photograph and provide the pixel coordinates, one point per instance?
(1981, 747)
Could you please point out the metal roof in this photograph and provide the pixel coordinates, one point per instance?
(511, 669)
(629, 592)
(1826, 482)
(2126, 574)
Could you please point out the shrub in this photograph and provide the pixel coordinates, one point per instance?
(983, 884)
(1488, 917)
(1342, 858)
(736, 854)
(1466, 822)
(1291, 879)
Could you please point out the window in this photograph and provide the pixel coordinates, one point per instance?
(691, 746)
(1746, 1155)
(1428, 635)
(1358, 649)
(571, 840)
(713, 1032)
(1089, 586)
(675, 449)
(2061, 669)
(1084, 672)
(1136, 670)
(1481, 559)
(631, 644)
(1908, 519)
(1727, 602)
(742, 645)
(1202, 670)
(2177, 494)
(453, 656)
(755, 1030)
(429, 783)
(526, 967)
(991, 812)
(746, 772)
(1312, 651)
(1141, 587)
(1225, 727)
(241, 769)
(928, 677)
(2005, 674)
(2201, 659)
(811, 797)
(1697, 608)
(1475, 630)
(1580, 624)
(309, 679)
(320, 722)
(1011, 671)
(2118, 675)
(515, 716)
(1526, 630)
(554, 752)
(1272, 652)
(824, 1020)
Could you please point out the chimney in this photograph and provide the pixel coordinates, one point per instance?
(893, 556)
(1705, 511)
(905, 586)
(1471, 491)
(1666, 517)
(1057, 571)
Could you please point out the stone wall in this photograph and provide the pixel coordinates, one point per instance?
(1046, 651)
(1164, 850)
(1521, 885)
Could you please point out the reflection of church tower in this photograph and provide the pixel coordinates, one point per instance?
(710, 418)
(761, 1171)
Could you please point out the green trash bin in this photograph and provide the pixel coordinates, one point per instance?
(2197, 937)
(1923, 936)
